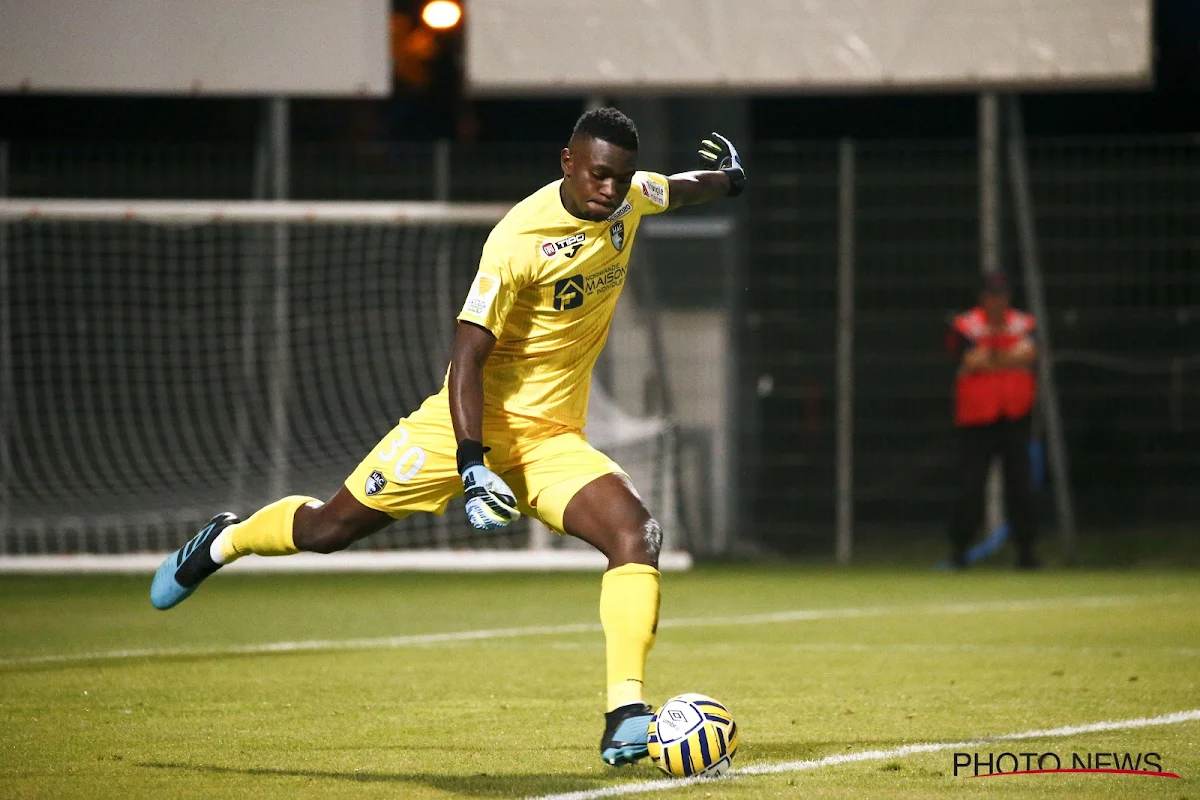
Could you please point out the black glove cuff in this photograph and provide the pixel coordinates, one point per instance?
(737, 180)
(470, 454)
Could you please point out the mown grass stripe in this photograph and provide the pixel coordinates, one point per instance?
(419, 639)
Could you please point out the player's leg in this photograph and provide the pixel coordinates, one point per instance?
(608, 514)
(412, 469)
(311, 526)
(974, 460)
(282, 528)
(1018, 491)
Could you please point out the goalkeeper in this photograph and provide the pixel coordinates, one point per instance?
(506, 427)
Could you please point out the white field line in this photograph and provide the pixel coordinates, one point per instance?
(344, 561)
(391, 642)
(1083, 650)
(667, 784)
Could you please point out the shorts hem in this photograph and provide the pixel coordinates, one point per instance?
(378, 505)
(552, 509)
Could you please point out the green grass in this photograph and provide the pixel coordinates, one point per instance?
(519, 716)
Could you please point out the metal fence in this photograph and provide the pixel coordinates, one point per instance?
(1119, 237)
(384, 171)
(1119, 233)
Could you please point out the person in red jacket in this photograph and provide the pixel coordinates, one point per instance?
(993, 409)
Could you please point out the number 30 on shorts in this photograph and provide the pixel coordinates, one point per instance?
(409, 462)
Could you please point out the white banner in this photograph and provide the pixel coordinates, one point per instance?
(224, 47)
(630, 46)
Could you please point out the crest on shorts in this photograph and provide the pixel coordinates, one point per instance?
(375, 483)
(617, 234)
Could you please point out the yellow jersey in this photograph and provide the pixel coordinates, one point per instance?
(546, 288)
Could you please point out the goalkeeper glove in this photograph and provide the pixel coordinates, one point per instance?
(491, 505)
(722, 155)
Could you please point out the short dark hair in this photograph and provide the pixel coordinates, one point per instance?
(608, 125)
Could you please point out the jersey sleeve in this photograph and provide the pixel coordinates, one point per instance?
(650, 193)
(502, 274)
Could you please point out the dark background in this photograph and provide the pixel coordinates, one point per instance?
(1119, 234)
(427, 104)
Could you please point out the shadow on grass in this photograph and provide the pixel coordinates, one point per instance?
(478, 785)
(486, 785)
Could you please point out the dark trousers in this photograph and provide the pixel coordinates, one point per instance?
(978, 445)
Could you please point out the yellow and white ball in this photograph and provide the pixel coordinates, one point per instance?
(692, 735)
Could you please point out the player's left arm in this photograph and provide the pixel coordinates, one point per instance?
(725, 178)
(1023, 354)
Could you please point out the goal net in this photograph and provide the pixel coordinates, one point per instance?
(161, 361)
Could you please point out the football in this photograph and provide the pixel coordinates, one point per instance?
(692, 735)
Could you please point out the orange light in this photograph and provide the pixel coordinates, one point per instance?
(441, 14)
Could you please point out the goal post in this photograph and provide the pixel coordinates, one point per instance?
(166, 360)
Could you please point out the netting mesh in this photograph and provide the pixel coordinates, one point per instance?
(161, 370)
(1116, 227)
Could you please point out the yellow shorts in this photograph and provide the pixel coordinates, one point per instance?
(415, 468)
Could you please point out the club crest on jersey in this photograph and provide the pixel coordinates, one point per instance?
(375, 483)
(625, 208)
(571, 244)
(617, 234)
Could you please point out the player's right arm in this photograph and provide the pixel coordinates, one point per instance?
(977, 359)
(490, 503)
(472, 347)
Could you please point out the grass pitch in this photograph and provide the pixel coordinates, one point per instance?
(189, 703)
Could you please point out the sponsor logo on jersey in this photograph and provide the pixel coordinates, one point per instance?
(571, 244)
(655, 192)
(617, 234)
(625, 208)
(483, 292)
(600, 281)
(375, 483)
(568, 293)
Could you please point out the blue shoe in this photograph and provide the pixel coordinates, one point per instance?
(625, 734)
(181, 573)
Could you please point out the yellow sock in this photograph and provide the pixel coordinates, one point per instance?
(268, 532)
(629, 600)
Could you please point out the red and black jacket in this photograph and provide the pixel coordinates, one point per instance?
(981, 398)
